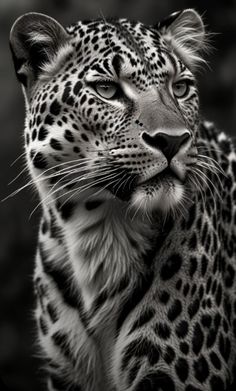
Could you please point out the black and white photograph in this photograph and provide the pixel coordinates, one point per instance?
(118, 195)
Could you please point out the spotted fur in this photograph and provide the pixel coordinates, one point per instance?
(135, 267)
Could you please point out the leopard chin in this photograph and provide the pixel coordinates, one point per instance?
(162, 193)
(164, 196)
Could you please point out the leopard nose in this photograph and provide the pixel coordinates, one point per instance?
(168, 145)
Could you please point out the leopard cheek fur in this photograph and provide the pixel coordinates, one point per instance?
(135, 267)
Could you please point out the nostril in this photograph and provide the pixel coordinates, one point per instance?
(184, 138)
(162, 142)
(148, 139)
(157, 141)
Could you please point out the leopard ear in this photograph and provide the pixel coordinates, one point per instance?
(34, 40)
(184, 32)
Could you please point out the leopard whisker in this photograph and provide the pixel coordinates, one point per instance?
(40, 178)
(79, 190)
(214, 162)
(207, 168)
(25, 169)
(18, 158)
(197, 184)
(213, 172)
(100, 171)
(36, 178)
(49, 195)
(121, 184)
(146, 213)
(208, 148)
(90, 175)
(205, 179)
(103, 188)
(91, 185)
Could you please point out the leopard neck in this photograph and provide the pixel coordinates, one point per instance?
(107, 243)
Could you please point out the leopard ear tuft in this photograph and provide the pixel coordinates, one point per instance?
(34, 40)
(184, 32)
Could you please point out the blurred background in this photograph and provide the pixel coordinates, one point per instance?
(19, 367)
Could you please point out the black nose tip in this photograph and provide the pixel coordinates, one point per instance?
(169, 145)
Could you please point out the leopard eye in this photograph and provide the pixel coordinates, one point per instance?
(180, 88)
(106, 90)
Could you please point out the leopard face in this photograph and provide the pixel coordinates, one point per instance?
(112, 108)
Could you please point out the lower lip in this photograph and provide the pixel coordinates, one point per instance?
(165, 175)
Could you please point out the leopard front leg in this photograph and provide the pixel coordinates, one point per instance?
(67, 348)
(138, 363)
(165, 349)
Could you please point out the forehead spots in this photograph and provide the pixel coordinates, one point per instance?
(70, 101)
(83, 99)
(49, 120)
(77, 87)
(66, 92)
(55, 88)
(43, 107)
(137, 44)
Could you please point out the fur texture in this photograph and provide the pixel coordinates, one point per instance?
(135, 267)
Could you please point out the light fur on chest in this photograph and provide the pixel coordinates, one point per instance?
(104, 246)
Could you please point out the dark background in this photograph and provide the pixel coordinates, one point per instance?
(18, 364)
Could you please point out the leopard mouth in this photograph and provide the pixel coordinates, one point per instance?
(165, 176)
(162, 192)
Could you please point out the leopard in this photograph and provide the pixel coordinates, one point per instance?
(134, 277)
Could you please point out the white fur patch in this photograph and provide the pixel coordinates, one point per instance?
(162, 197)
(35, 37)
(53, 66)
(186, 35)
(102, 256)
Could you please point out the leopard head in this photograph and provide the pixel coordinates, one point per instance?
(112, 107)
